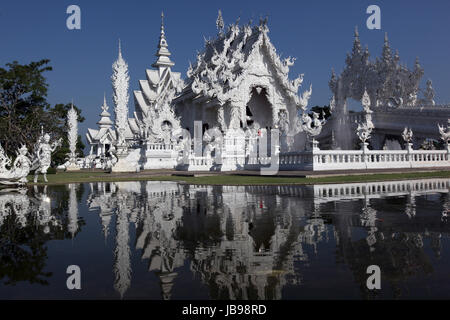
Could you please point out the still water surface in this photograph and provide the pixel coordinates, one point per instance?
(164, 240)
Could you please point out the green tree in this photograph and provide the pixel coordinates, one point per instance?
(24, 108)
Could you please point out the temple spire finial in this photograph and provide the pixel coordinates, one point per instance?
(104, 106)
(163, 52)
(120, 50)
(219, 22)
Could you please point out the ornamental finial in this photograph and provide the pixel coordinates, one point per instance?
(120, 50)
(163, 52)
(219, 22)
(104, 106)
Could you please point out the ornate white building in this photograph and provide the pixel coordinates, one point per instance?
(394, 94)
(238, 87)
(238, 109)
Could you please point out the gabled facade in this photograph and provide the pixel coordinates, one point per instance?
(239, 81)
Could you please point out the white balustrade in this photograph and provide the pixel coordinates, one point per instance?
(320, 160)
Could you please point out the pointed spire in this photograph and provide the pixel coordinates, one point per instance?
(356, 43)
(104, 106)
(105, 120)
(219, 22)
(386, 55)
(163, 52)
(120, 51)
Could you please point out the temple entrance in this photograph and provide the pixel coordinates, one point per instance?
(259, 109)
(107, 150)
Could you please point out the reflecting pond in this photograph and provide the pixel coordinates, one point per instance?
(165, 240)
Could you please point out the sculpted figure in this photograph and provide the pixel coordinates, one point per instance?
(19, 170)
(22, 165)
(43, 156)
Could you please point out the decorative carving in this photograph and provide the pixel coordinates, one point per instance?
(388, 82)
(407, 135)
(20, 168)
(120, 83)
(363, 131)
(72, 136)
(226, 63)
(445, 133)
(365, 128)
(429, 94)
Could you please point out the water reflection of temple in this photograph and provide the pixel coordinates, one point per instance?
(241, 242)
(248, 242)
(28, 219)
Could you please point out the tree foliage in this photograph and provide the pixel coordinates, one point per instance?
(24, 108)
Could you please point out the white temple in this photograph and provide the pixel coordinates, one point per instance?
(238, 109)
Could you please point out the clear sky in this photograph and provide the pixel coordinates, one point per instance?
(318, 33)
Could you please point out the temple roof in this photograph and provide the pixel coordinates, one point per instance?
(227, 59)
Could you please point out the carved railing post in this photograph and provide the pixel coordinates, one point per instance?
(448, 150)
(410, 157)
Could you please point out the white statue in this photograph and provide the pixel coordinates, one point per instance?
(20, 168)
(429, 94)
(407, 135)
(43, 155)
(364, 129)
(445, 133)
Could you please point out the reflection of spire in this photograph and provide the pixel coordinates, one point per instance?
(73, 211)
(106, 219)
(122, 267)
(368, 219)
(166, 281)
(410, 209)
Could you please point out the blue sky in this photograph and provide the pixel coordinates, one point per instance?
(318, 33)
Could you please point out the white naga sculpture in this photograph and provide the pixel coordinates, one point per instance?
(17, 174)
(43, 154)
